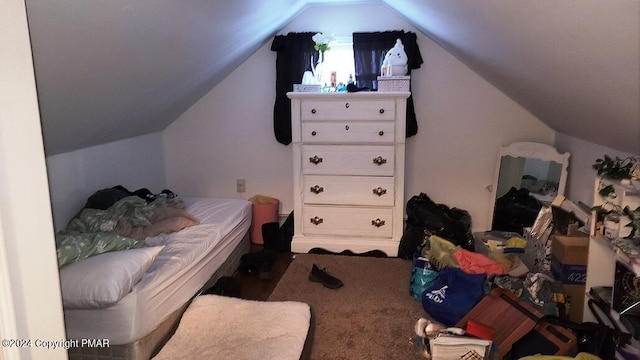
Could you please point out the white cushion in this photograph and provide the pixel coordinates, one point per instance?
(102, 280)
(220, 327)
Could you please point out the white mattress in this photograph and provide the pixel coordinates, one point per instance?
(184, 265)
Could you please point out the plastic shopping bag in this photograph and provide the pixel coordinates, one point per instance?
(422, 277)
(452, 295)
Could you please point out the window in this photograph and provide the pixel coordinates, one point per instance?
(295, 50)
(340, 60)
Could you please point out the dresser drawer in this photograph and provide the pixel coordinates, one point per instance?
(376, 160)
(345, 190)
(345, 109)
(348, 132)
(347, 221)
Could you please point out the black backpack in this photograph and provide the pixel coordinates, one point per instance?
(425, 218)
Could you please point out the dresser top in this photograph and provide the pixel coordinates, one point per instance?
(350, 95)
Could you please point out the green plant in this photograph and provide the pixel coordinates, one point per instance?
(615, 168)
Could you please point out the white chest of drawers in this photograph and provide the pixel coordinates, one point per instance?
(348, 170)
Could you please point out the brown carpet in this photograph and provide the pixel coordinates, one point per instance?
(371, 317)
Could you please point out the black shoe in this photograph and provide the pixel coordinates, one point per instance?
(323, 277)
(225, 286)
(258, 262)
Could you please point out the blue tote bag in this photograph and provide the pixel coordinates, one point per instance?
(452, 295)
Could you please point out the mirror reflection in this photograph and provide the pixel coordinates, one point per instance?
(529, 176)
(540, 178)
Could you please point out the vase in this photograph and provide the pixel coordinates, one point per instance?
(318, 68)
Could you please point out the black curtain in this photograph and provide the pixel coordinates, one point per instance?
(294, 52)
(368, 52)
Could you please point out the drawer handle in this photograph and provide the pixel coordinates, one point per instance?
(379, 160)
(381, 111)
(314, 133)
(346, 127)
(315, 160)
(313, 111)
(316, 220)
(317, 189)
(377, 222)
(379, 191)
(347, 105)
(381, 133)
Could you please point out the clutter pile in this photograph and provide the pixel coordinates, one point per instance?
(522, 293)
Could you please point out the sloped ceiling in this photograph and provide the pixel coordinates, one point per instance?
(108, 70)
(112, 69)
(573, 64)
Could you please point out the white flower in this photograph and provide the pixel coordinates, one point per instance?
(322, 41)
(321, 38)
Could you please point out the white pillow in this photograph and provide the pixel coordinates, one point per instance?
(102, 280)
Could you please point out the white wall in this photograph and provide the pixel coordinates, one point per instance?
(228, 135)
(30, 302)
(133, 163)
(582, 176)
(462, 122)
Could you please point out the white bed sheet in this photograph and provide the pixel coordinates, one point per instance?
(184, 265)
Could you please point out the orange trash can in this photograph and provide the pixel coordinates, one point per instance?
(264, 209)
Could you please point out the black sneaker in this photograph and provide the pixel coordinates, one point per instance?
(258, 262)
(225, 286)
(323, 277)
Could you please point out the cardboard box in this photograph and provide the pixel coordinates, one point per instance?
(569, 260)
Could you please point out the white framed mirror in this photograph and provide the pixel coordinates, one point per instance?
(528, 175)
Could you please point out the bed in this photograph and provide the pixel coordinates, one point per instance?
(183, 264)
